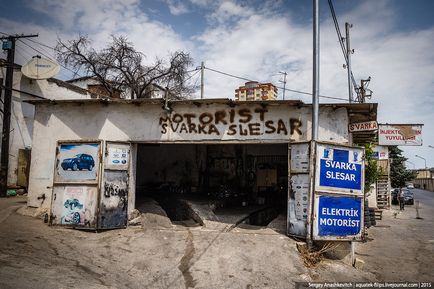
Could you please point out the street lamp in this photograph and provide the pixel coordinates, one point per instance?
(414, 166)
(421, 158)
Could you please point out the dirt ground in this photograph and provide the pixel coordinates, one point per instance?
(34, 255)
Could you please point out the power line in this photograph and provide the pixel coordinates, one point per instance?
(228, 74)
(65, 67)
(38, 51)
(341, 42)
(287, 89)
(42, 45)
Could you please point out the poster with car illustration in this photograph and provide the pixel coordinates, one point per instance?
(73, 211)
(74, 205)
(77, 162)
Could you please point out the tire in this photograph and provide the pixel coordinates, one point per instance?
(90, 167)
(76, 218)
(74, 167)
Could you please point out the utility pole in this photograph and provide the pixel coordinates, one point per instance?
(284, 82)
(347, 40)
(315, 77)
(9, 45)
(364, 89)
(315, 118)
(202, 68)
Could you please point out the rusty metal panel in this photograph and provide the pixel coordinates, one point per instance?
(75, 185)
(114, 200)
(24, 156)
(74, 205)
(298, 189)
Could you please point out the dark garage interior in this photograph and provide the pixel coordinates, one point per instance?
(239, 183)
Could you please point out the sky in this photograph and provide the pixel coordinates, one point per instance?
(393, 42)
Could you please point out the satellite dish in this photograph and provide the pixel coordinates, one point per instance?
(40, 68)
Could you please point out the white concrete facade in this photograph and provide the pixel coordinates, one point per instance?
(208, 121)
(22, 114)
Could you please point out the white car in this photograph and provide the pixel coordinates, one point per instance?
(410, 186)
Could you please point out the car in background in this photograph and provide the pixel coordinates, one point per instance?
(408, 197)
(409, 186)
(79, 162)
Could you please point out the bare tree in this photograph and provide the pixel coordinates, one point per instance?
(119, 66)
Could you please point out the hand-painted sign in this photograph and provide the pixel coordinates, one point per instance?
(363, 126)
(230, 123)
(394, 134)
(338, 216)
(339, 169)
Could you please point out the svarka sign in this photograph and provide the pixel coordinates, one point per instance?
(231, 123)
(400, 134)
(339, 169)
(363, 126)
(339, 185)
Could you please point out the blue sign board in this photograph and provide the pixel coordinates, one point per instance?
(339, 216)
(340, 168)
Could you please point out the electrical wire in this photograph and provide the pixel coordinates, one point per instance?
(286, 89)
(74, 72)
(340, 38)
(24, 49)
(191, 75)
(42, 45)
(228, 74)
(38, 51)
(197, 69)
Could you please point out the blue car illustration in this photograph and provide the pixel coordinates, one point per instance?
(79, 162)
(73, 204)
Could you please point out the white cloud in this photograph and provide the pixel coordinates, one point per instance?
(99, 19)
(259, 42)
(177, 7)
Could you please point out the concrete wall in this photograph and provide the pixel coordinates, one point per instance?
(145, 123)
(22, 114)
(425, 184)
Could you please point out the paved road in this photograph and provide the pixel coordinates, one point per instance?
(426, 198)
(401, 247)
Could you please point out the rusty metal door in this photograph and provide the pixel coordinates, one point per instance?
(76, 184)
(113, 204)
(299, 174)
(24, 156)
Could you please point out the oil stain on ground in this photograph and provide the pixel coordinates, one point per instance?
(185, 263)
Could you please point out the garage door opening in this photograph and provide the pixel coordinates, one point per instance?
(220, 182)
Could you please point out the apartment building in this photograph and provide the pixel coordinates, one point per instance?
(254, 90)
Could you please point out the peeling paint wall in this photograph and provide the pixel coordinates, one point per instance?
(22, 114)
(213, 122)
